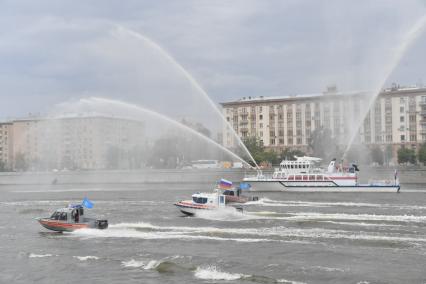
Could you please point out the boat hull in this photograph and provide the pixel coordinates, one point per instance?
(190, 209)
(61, 226)
(279, 186)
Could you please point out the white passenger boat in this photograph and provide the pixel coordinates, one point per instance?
(201, 202)
(303, 175)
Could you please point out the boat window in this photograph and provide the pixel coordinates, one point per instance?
(55, 216)
(200, 200)
(63, 216)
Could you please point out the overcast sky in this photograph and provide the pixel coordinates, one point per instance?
(55, 51)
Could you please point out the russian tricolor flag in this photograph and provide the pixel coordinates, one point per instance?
(225, 184)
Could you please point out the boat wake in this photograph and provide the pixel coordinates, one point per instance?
(289, 203)
(148, 231)
(203, 272)
(87, 257)
(34, 255)
(229, 213)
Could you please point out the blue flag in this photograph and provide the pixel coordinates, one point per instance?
(244, 185)
(87, 203)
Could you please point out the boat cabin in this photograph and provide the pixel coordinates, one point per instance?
(302, 165)
(72, 214)
(213, 199)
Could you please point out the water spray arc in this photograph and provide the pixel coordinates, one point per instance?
(102, 102)
(191, 79)
(412, 35)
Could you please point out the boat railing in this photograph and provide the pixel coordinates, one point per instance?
(260, 176)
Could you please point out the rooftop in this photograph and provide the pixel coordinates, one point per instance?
(330, 92)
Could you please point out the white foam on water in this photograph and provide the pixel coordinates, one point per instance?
(289, 281)
(228, 213)
(131, 233)
(265, 234)
(294, 203)
(85, 258)
(33, 255)
(133, 263)
(361, 224)
(300, 216)
(213, 273)
(152, 264)
(138, 225)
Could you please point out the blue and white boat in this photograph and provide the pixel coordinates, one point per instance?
(201, 202)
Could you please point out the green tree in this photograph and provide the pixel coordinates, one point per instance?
(289, 154)
(422, 154)
(406, 155)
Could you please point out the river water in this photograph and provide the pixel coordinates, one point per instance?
(282, 238)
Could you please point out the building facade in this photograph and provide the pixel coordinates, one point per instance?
(70, 143)
(6, 146)
(397, 117)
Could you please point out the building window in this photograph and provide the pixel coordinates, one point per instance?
(261, 117)
(401, 119)
(402, 138)
(261, 133)
(401, 109)
(272, 141)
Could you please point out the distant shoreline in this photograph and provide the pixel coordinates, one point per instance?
(153, 176)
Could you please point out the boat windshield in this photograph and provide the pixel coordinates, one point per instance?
(55, 215)
(63, 216)
(201, 200)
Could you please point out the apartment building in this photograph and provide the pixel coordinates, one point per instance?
(397, 117)
(71, 142)
(6, 146)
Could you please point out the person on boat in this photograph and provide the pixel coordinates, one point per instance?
(75, 215)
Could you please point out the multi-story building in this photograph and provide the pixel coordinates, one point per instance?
(94, 142)
(397, 117)
(6, 146)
